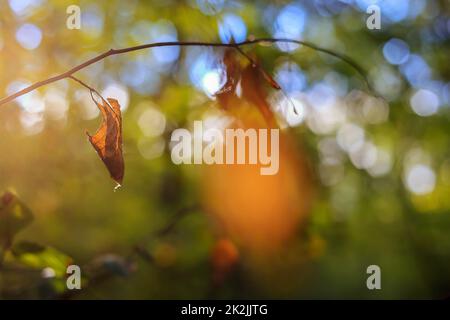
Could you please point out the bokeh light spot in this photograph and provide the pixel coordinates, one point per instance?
(396, 51)
(29, 36)
(118, 92)
(232, 27)
(424, 103)
(420, 179)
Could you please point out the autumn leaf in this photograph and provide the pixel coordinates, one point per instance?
(107, 141)
(252, 82)
(226, 94)
(253, 79)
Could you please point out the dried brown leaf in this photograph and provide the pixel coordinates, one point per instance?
(107, 141)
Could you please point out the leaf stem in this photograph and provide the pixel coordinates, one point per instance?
(83, 84)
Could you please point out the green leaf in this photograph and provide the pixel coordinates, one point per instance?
(25, 247)
(40, 257)
(14, 216)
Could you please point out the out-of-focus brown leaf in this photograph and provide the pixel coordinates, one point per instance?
(253, 81)
(227, 94)
(253, 90)
(107, 141)
(262, 213)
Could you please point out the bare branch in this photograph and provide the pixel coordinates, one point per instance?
(236, 46)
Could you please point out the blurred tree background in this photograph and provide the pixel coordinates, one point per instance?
(381, 168)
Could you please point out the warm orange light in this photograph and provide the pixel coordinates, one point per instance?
(260, 212)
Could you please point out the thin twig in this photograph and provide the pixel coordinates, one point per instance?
(92, 90)
(112, 52)
(141, 251)
(175, 219)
